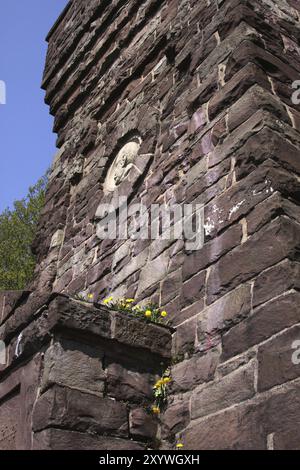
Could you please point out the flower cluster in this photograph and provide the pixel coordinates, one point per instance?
(179, 445)
(149, 312)
(161, 392)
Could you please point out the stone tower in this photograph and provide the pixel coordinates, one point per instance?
(165, 102)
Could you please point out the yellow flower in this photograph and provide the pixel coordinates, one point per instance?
(107, 301)
(166, 380)
(179, 445)
(148, 313)
(158, 384)
(90, 296)
(155, 410)
(130, 301)
(164, 314)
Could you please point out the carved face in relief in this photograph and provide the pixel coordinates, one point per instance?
(122, 165)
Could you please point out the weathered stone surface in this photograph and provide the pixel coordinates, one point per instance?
(74, 410)
(231, 389)
(266, 144)
(279, 359)
(153, 272)
(192, 372)
(125, 384)
(234, 429)
(61, 439)
(212, 251)
(271, 318)
(225, 312)
(225, 368)
(176, 417)
(78, 315)
(269, 209)
(141, 335)
(171, 287)
(266, 248)
(142, 424)
(74, 365)
(281, 413)
(25, 313)
(185, 338)
(275, 281)
(194, 289)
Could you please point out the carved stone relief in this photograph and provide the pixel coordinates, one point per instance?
(122, 165)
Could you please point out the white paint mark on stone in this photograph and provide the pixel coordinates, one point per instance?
(235, 209)
(18, 350)
(209, 227)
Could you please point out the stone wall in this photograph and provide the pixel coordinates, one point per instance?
(72, 379)
(203, 89)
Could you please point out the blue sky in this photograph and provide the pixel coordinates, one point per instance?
(27, 144)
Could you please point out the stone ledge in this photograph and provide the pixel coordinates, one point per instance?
(26, 334)
(82, 368)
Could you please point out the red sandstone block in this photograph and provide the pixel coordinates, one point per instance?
(280, 415)
(263, 145)
(278, 360)
(211, 252)
(176, 417)
(224, 313)
(75, 365)
(275, 281)
(288, 439)
(237, 86)
(269, 209)
(266, 321)
(194, 371)
(250, 52)
(273, 417)
(230, 390)
(258, 97)
(61, 439)
(129, 385)
(142, 425)
(194, 289)
(234, 15)
(171, 287)
(74, 410)
(233, 429)
(284, 92)
(185, 336)
(279, 240)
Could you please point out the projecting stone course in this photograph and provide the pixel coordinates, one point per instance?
(71, 372)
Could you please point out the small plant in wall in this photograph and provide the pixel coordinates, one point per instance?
(149, 312)
(84, 297)
(160, 391)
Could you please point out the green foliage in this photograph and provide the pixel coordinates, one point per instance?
(161, 392)
(149, 312)
(17, 231)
